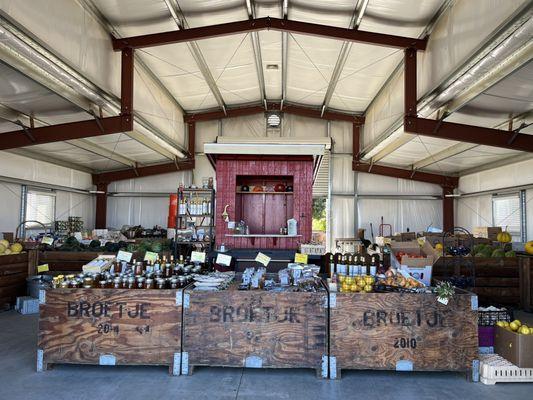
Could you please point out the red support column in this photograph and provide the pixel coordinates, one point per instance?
(447, 209)
(101, 206)
(126, 82)
(191, 128)
(410, 82)
(356, 141)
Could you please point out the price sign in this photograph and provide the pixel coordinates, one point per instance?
(262, 259)
(43, 268)
(223, 259)
(442, 300)
(300, 258)
(150, 256)
(78, 236)
(125, 256)
(48, 240)
(198, 256)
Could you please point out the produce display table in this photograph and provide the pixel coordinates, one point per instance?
(110, 327)
(255, 328)
(402, 331)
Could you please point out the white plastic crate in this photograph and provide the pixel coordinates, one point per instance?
(27, 305)
(495, 369)
(312, 249)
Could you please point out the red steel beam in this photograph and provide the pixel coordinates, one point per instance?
(469, 133)
(101, 206)
(191, 129)
(274, 106)
(111, 176)
(356, 147)
(410, 82)
(126, 81)
(448, 221)
(251, 25)
(68, 131)
(442, 180)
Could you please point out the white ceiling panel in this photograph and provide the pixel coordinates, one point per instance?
(6, 126)
(311, 63)
(367, 68)
(231, 61)
(399, 17)
(210, 12)
(270, 42)
(324, 12)
(137, 17)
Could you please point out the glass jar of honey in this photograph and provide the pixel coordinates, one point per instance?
(149, 283)
(160, 283)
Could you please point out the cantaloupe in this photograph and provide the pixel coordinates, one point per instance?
(2, 249)
(16, 248)
(4, 243)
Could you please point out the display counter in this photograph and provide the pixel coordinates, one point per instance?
(256, 329)
(110, 327)
(402, 332)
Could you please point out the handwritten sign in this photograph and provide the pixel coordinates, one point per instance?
(262, 259)
(223, 259)
(124, 256)
(198, 256)
(43, 268)
(301, 258)
(150, 256)
(48, 240)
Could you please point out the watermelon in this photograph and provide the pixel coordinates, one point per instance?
(510, 254)
(498, 253)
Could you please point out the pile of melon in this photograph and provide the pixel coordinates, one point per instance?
(7, 249)
(488, 251)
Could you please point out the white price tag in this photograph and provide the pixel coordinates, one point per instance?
(223, 259)
(124, 256)
(262, 259)
(442, 300)
(198, 256)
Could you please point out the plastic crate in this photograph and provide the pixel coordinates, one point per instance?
(27, 305)
(495, 369)
(489, 318)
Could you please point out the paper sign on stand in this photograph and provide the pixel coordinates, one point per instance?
(43, 268)
(198, 256)
(124, 256)
(300, 258)
(262, 259)
(78, 236)
(47, 240)
(151, 256)
(223, 259)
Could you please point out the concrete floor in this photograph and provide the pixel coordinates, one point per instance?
(18, 379)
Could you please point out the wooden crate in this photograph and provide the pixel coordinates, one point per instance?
(497, 280)
(110, 327)
(525, 263)
(255, 329)
(14, 270)
(402, 331)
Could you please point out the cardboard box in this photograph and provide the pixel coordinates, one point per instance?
(420, 268)
(515, 348)
(426, 254)
(487, 232)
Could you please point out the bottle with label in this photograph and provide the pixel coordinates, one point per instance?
(204, 206)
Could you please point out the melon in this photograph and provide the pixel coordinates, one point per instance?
(498, 253)
(7, 252)
(2, 248)
(4, 243)
(16, 248)
(510, 254)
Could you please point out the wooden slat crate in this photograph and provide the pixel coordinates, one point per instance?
(496, 278)
(110, 327)
(256, 329)
(402, 331)
(526, 282)
(14, 270)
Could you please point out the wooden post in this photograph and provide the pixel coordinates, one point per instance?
(33, 260)
(101, 206)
